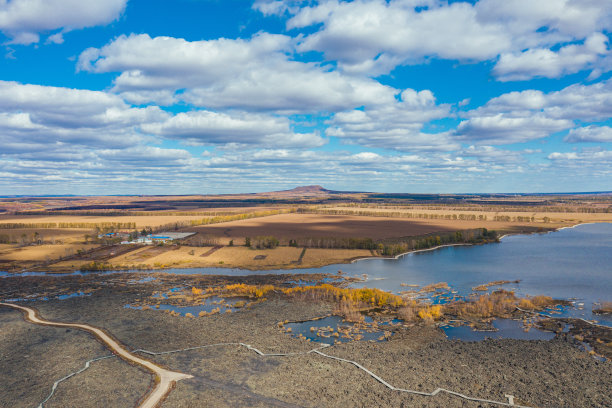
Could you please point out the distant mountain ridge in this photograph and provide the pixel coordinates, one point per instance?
(302, 191)
(308, 190)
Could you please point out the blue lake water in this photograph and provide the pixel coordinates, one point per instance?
(573, 263)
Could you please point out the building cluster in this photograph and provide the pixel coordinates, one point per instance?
(148, 239)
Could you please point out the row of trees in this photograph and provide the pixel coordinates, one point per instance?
(101, 226)
(476, 236)
(262, 242)
(24, 239)
(427, 216)
(393, 214)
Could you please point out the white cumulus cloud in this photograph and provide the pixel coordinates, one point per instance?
(590, 134)
(247, 74)
(24, 20)
(239, 128)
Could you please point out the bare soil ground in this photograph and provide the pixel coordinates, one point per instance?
(295, 226)
(292, 226)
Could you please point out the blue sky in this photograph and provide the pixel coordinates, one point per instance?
(202, 96)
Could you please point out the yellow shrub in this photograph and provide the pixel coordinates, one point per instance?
(430, 312)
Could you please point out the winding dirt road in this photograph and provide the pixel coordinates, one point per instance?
(164, 379)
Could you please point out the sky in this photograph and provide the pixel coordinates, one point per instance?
(229, 96)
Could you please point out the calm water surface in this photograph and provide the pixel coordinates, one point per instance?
(573, 263)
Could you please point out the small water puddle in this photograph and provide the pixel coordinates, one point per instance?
(506, 329)
(333, 329)
(73, 295)
(211, 305)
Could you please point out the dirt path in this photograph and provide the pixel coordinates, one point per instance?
(211, 251)
(164, 379)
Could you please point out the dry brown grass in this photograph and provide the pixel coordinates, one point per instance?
(315, 257)
(40, 252)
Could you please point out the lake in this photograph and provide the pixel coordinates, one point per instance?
(572, 263)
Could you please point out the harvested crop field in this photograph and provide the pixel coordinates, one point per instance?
(47, 235)
(190, 257)
(299, 226)
(291, 226)
(40, 252)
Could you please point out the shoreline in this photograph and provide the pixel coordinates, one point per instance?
(414, 251)
(4, 274)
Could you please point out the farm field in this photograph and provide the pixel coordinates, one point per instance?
(190, 257)
(412, 212)
(40, 252)
(335, 227)
(291, 226)
(140, 221)
(288, 226)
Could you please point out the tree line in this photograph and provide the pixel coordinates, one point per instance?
(81, 225)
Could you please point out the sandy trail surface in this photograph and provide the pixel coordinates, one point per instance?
(165, 379)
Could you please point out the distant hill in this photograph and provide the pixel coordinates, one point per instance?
(302, 191)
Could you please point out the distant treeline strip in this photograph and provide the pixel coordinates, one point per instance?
(126, 213)
(426, 216)
(490, 207)
(80, 225)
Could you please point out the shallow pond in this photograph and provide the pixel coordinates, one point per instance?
(210, 304)
(319, 330)
(506, 329)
